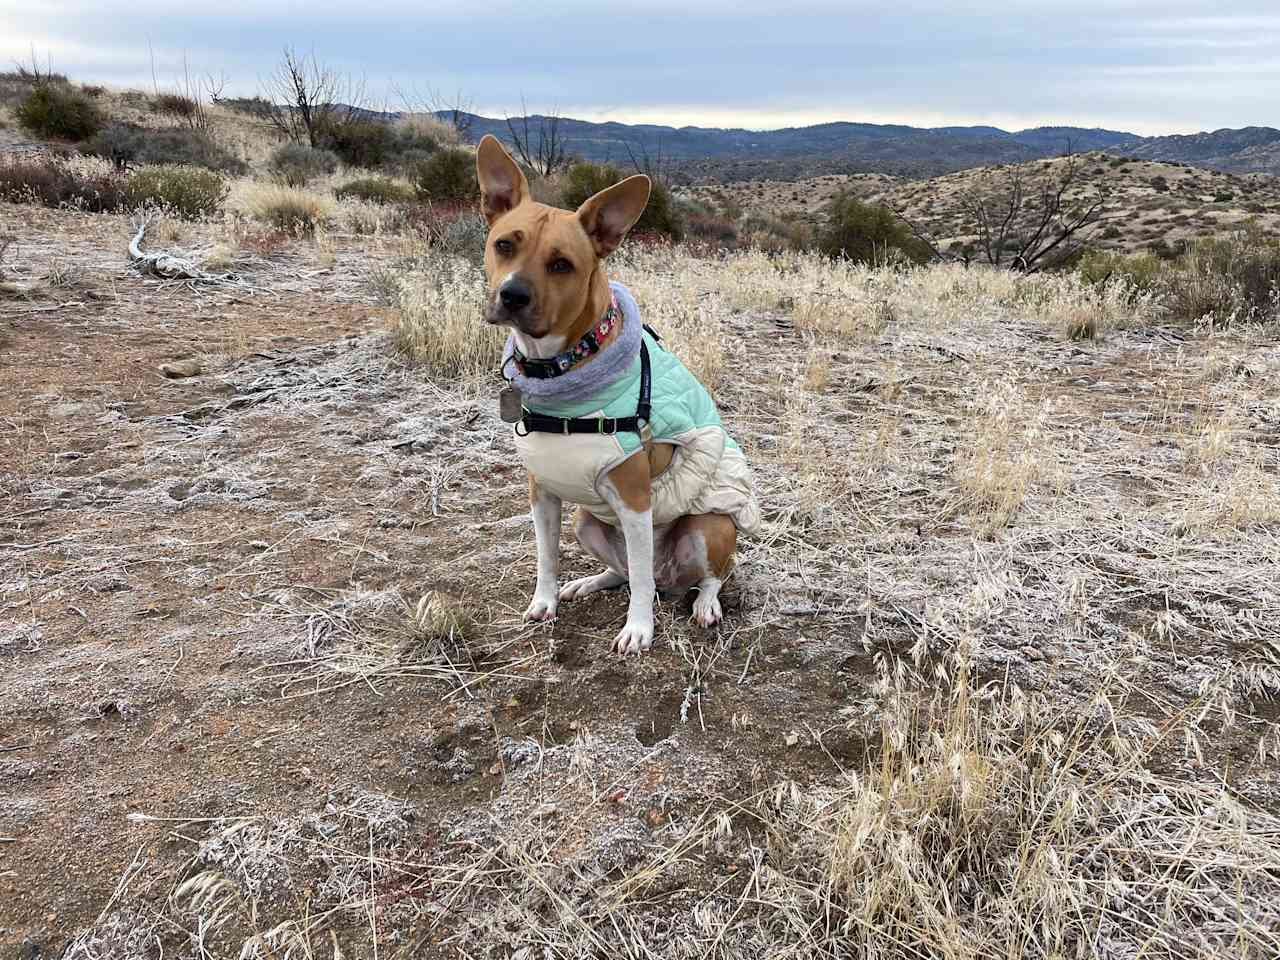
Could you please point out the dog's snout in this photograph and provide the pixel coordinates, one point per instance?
(515, 294)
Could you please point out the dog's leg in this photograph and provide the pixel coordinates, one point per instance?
(605, 543)
(702, 548)
(545, 508)
(628, 492)
(706, 606)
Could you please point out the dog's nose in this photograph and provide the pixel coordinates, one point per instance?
(515, 294)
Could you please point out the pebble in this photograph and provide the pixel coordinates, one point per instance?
(178, 369)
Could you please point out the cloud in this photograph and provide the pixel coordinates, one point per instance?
(1131, 64)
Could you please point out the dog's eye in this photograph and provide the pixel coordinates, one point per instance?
(560, 265)
(504, 248)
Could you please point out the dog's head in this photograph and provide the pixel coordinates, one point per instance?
(543, 263)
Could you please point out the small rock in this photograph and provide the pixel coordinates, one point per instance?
(792, 739)
(259, 544)
(177, 369)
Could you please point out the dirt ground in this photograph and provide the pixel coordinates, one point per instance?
(209, 582)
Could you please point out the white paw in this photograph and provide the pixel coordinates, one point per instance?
(541, 608)
(586, 586)
(634, 638)
(706, 610)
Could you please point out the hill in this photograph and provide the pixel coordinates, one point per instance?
(712, 153)
(1151, 203)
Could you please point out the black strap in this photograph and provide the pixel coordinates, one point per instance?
(541, 423)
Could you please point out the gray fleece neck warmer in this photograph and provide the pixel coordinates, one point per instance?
(589, 379)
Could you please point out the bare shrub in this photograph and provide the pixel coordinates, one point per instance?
(60, 183)
(1236, 278)
(296, 164)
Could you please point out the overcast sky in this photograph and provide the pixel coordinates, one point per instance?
(1147, 66)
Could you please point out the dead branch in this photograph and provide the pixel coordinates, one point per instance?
(167, 266)
(548, 154)
(307, 97)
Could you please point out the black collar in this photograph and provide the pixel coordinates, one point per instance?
(561, 363)
(541, 423)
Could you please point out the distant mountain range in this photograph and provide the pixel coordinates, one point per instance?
(711, 153)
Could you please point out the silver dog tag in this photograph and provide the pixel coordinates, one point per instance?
(510, 404)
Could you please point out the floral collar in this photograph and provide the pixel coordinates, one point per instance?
(561, 363)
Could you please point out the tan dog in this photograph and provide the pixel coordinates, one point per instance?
(547, 283)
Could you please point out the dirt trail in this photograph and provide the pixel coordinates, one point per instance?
(207, 584)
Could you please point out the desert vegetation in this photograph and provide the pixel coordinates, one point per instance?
(999, 678)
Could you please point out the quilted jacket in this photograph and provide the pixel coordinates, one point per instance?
(708, 472)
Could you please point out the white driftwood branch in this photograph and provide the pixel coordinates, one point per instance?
(166, 266)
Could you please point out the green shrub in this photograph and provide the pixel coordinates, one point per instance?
(583, 180)
(121, 143)
(54, 183)
(1142, 271)
(447, 176)
(868, 233)
(190, 192)
(175, 105)
(375, 190)
(378, 144)
(59, 111)
(297, 164)
(126, 143)
(358, 143)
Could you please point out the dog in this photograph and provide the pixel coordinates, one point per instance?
(604, 417)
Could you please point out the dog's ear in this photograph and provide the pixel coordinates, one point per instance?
(503, 185)
(612, 212)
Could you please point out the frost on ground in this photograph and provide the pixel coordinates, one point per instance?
(1000, 677)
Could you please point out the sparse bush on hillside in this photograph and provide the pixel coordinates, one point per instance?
(257, 107)
(447, 176)
(372, 143)
(126, 144)
(175, 105)
(59, 111)
(375, 190)
(422, 128)
(190, 192)
(583, 180)
(121, 143)
(93, 90)
(706, 225)
(1227, 280)
(296, 164)
(358, 143)
(58, 183)
(773, 234)
(1142, 272)
(291, 209)
(866, 233)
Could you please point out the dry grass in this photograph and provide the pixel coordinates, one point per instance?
(425, 126)
(292, 209)
(997, 681)
(988, 827)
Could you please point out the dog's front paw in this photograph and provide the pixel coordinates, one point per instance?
(634, 638)
(589, 585)
(541, 608)
(706, 610)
